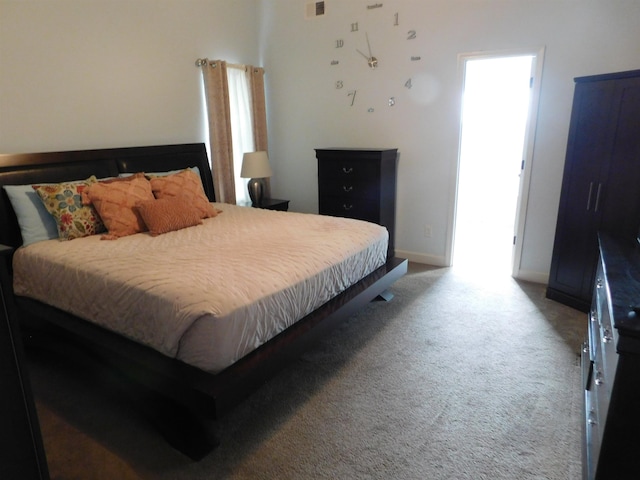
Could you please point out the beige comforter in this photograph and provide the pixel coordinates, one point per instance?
(209, 294)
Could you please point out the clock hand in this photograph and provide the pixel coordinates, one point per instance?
(371, 61)
(365, 56)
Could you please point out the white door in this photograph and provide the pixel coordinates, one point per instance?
(488, 213)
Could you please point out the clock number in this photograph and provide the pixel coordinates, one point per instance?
(411, 35)
(354, 27)
(395, 19)
(352, 94)
(408, 84)
(339, 84)
(339, 43)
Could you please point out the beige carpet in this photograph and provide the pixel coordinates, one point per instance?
(461, 376)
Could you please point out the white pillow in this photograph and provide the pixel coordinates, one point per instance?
(195, 170)
(36, 224)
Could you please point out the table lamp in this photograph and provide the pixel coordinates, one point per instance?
(255, 166)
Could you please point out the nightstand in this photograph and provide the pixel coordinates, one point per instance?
(274, 204)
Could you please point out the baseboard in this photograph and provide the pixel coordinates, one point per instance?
(534, 277)
(435, 260)
(439, 261)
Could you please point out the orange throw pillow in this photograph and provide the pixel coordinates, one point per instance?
(115, 201)
(186, 185)
(168, 214)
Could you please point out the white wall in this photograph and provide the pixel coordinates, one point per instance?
(109, 73)
(581, 37)
(103, 73)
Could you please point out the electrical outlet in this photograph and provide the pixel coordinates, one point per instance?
(427, 231)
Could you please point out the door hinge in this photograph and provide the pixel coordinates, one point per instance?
(514, 239)
(522, 165)
(530, 82)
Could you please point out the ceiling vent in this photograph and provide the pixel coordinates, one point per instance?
(314, 9)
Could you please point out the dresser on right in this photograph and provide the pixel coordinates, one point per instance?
(359, 183)
(611, 365)
(601, 182)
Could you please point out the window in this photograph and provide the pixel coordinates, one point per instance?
(237, 121)
(241, 125)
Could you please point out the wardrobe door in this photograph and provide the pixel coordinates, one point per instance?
(588, 150)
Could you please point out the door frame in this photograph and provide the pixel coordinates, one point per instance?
(527, 154)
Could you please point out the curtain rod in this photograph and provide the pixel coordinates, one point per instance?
(202, 61)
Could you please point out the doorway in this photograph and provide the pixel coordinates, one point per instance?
(492, 183)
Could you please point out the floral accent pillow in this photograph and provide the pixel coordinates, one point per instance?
(64, 202)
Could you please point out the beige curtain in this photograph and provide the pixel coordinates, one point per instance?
(259, 111)
(216, 89)
(259, 108)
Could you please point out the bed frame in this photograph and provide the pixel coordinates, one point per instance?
(188, 400)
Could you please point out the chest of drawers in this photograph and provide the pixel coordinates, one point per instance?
(611, 366)
(361, 184)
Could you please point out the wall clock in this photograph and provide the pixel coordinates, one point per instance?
(374, 61)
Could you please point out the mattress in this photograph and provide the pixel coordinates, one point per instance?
(206, 295)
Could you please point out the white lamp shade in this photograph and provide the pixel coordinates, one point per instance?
(255, 165)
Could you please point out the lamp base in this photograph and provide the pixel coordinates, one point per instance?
(256, 188)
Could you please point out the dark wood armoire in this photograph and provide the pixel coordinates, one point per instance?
(601, 183)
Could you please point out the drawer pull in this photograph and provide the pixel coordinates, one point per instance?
(347, 170)
(346, 207)
(347, 189)
(606, 335)
(599, 380)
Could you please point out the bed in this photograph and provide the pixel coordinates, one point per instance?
(202, 315)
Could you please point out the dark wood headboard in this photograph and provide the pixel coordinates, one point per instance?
(53, 167)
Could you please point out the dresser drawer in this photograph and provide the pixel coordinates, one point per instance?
(345, 169)
(359, 208)
(605, 337)
(592, 435)
(601, 389)
(352, 179)
(350, 188)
